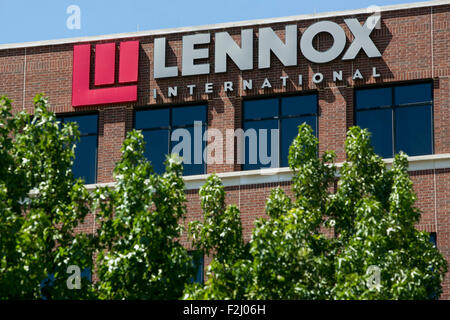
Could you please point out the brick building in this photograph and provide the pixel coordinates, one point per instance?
(388, 71)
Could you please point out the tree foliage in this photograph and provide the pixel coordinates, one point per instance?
(134, 249)
(371, 215)
(41, 204)
(220, 234)
(319, 243)
(141, 256)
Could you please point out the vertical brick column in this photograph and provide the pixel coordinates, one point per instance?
(12, 64)
(443, 223)
(442, 115)
(332, 120)
(111, 135)
(441, 72)
(223, 114)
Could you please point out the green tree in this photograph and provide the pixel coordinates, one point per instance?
(141, 256)
(41, 204)
(220, 235)
(372, 216)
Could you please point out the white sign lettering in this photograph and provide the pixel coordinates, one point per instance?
(284, 48)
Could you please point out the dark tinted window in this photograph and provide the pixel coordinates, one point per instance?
(86, 124)
(158, 126)
(299, 105)
(379, 124)
(85, 162)
(186, 116)
(86, 159)
(369, 98)
(413, 93)
(433, 238)
(261, 108)
(156, 148)
(194, 163)
(284, 114)
(289, 130)
(198, 262)
(399, 118)
(153, 119)
(413, 130)
(255, 155)
(48, 283)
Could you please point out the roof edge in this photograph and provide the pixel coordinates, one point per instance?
(224, 25)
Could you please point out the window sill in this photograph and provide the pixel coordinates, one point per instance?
(277, 175)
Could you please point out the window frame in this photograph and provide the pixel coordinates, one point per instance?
(80, 114)
(280, 117)
(394, 106)
(170, 128)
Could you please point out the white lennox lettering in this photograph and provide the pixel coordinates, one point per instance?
(249, 84)
(268, 42)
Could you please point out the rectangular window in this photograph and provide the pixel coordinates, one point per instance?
(159, 126)
(85, 163)
(49, 282)
(400, 118)
(198, 262)
(433, 238)
(282, 113)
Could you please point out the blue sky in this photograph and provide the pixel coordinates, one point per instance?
(33, 20)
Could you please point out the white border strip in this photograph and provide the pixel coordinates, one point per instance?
(222, 25)
(277, 175)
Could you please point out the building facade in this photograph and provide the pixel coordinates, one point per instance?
(387, 70)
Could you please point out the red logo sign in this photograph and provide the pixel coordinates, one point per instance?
(105, 62)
